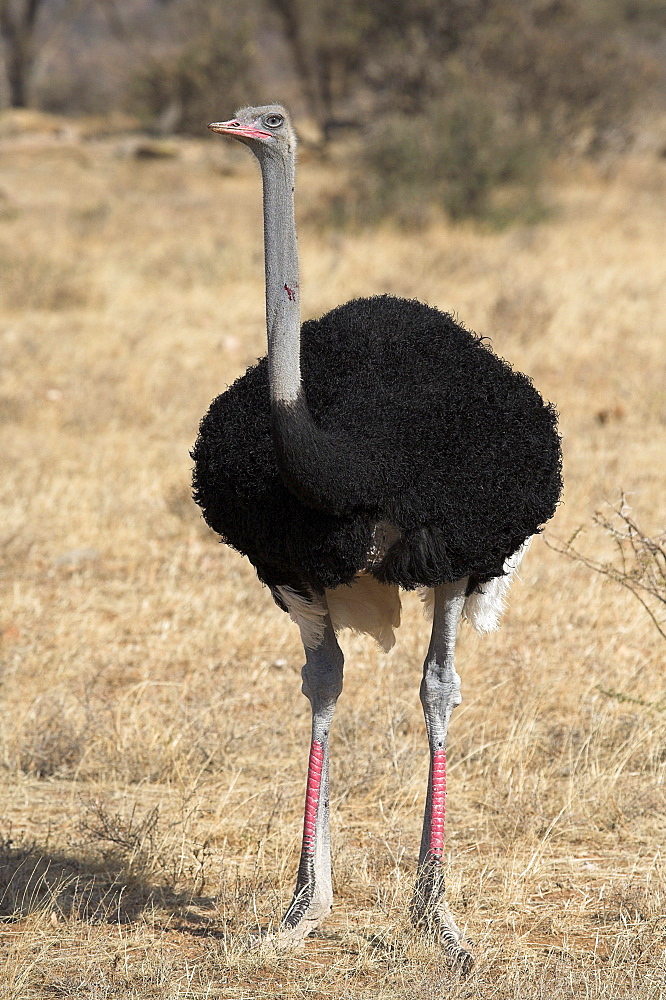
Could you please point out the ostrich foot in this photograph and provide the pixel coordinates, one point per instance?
(437, 921)
(290, 938)
(306, 911)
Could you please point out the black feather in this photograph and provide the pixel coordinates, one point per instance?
(419, 424)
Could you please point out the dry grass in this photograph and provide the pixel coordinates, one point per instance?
(153, 738)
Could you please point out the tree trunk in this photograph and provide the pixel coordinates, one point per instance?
(304, 64)
(17, 26)
(18, 68)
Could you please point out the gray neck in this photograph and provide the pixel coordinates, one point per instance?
(283, 320)
(311, 461)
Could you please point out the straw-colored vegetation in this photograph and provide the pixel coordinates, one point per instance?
(153, 738)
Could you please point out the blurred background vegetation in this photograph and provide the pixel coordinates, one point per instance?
(455, 106)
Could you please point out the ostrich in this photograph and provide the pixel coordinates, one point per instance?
(380, 447)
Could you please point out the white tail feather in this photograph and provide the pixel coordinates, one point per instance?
(484, 607)
(308, 613)
(366, 606)
(369, 607)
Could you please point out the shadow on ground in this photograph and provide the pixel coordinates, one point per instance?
(104, 890)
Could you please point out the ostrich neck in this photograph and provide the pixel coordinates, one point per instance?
(283, 320)
(311, 460)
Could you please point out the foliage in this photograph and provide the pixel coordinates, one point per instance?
(456, 155)
(462, 103)
(576, 78)
(328, 41)
(180, 89)
(557, 65)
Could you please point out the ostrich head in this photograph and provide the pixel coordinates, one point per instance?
(266, 130)
(268, 133)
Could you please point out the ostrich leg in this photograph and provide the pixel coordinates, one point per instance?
(313, 896)
(440, 693)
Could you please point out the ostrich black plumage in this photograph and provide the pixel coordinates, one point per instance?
(381, 446)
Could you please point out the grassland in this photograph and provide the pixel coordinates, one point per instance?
(153, 737)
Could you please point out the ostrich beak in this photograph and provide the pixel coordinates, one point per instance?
(238, 130)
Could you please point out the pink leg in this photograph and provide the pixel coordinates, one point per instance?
(440, 693)
(306, 881)
(313, 896)
(438, 804)
(315, 766)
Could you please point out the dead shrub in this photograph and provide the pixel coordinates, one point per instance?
(638, 563)
(143, 844)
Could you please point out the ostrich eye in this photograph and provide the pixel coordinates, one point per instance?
(273, 121)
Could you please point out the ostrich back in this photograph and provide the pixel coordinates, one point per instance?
(462, 455)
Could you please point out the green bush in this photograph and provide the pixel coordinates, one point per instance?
(461, 156)
(183, 90)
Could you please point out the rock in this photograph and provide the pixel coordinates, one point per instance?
(76, 557)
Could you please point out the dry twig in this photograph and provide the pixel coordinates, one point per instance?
(639, 563)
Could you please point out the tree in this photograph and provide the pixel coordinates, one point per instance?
(18, 19)
(205, 51)
(328, 40)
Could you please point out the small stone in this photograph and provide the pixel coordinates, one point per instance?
(75, 557)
